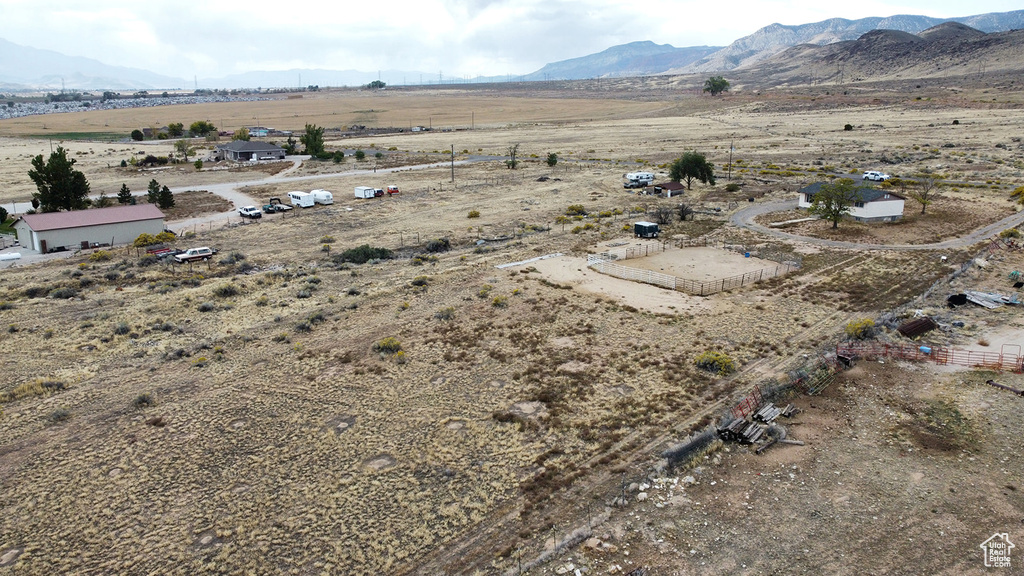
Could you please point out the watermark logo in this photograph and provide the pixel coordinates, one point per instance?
(997, 550)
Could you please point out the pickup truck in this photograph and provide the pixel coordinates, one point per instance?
(193, 254)
(250, 212)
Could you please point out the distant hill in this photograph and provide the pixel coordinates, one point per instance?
(949, 49)
(633, 59)
(22, 67)
(775, 38)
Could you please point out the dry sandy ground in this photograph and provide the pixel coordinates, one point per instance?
(280, 432)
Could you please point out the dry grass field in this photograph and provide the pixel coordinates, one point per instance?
(281, 410)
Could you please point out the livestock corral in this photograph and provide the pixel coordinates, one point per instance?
(358, 388)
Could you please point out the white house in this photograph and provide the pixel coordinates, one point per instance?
(872, 205)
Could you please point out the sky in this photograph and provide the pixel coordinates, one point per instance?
(445, 38)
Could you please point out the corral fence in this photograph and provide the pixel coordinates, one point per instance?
(1008, 358)
(604, 263)
(810, 378)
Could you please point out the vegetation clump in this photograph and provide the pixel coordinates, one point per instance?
(363, 254)
(389, 345)
(717, 362)
(860, 329)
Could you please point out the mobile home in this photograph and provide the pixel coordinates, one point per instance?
(301, 199)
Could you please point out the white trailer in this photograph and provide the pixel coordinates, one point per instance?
(365, 192)
(322, 197)
(301, 199)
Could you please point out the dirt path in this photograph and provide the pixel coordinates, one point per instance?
(745, 219)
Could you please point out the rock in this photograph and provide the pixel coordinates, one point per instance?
(641, 497)
(633, 487)
(565, 568)
(689, 480)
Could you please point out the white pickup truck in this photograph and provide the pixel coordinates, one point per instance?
(192, 254)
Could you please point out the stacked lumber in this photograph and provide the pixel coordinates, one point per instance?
(742, 431)
(767, 413)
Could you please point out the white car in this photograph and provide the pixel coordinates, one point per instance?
(876, 176)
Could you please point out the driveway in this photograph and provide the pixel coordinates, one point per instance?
(745, 219)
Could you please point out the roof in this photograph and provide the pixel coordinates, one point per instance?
(249, 146)
(866, 193)
(93, 217)
(671, 186)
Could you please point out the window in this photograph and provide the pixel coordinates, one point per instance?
(858, 204)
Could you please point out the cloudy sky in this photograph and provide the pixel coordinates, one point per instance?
(454, 38)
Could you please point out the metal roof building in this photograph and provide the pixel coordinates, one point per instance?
(55, 231)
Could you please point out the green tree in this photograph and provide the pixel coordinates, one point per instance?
(103, 201)
(716, 85)
(137, 135)
(198, 164)
(552, 159)
(360, 155)
(3, 215)
(692, 166)
(313, 139)
(153, 191)
(184, 147)
(376, 85)
(834, 200)
(165, 199)
(124, 196)
(59, 185)
(241, 134)
(201, 128)
(289, 147)
(175, 129)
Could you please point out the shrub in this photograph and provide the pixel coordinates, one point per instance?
(262, 300)
(327, 239)
(63, 293)
(207, 307)
(363, 254)
(485, 290)
(421, 281)
(500, 301)
(59, 415)
(860, 329)
(716, 362)
(445, 314)
(148, 260)
(474, 214)
(1010, 233)
(122, 328)
(226, 290)
(389, 345)
(304, 293)
(100, 256)
(848, 127)
(732, 187)
(232, 258)
(5, 305)
(439, 245)
(143, 240)
(144, 400)
(576, 210)
(38, 387)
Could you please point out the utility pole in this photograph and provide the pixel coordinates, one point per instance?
(729, 177)
(453, 163)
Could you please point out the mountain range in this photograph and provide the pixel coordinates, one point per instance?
(25, 68)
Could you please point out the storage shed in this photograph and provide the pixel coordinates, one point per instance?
(56, 231)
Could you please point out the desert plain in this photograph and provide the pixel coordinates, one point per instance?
(281, 410)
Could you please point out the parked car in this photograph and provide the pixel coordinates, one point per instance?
(876, 176)
(392, 190)
(192, 254)
(250, 212)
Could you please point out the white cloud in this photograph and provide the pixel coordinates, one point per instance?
(459, 37)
